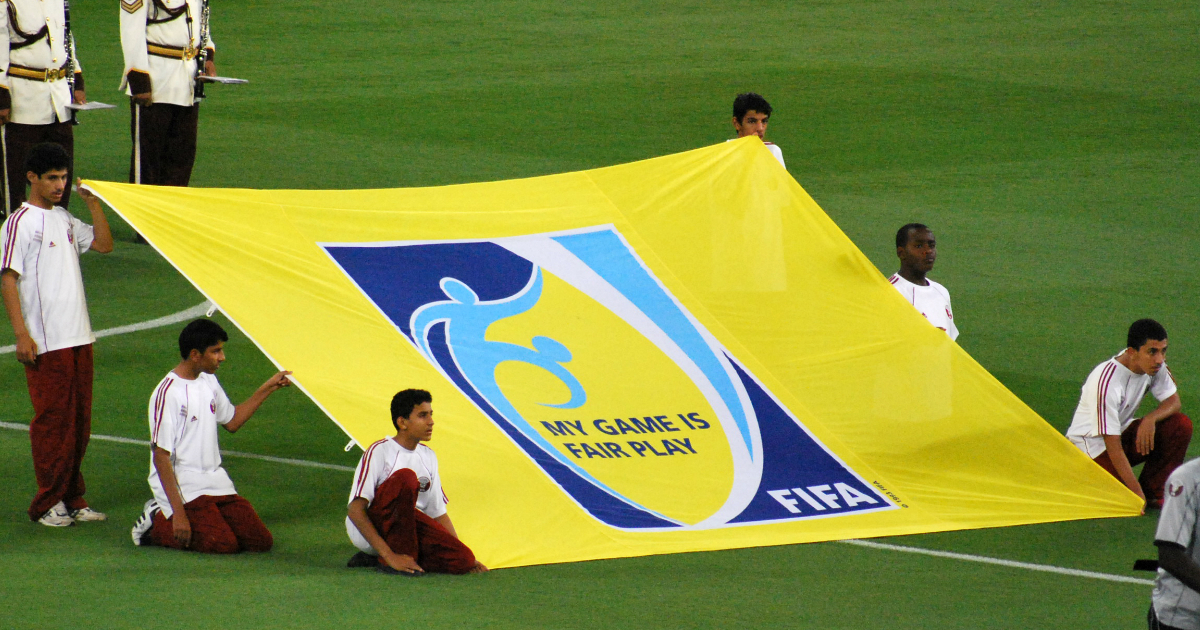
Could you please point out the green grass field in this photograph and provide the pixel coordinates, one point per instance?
(1052, 146)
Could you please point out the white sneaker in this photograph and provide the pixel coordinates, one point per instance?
(86, 514)
(57, 516)
(144, 522)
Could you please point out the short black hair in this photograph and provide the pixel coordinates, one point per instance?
(46, 157)
(749, 101)
(200, 335)
(405, 401)
(1144, 330)
(903, 233)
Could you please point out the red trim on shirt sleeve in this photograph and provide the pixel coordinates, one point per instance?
(11, 238)
(160, 400)
(1102, 397)
(362, 474)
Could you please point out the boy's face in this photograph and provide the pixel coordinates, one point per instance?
(920, 252)
(752, 124)
(1150, 357)
(49, 186)
(211, 359)
(418, 424)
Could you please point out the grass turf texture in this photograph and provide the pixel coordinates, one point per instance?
(1050, 145)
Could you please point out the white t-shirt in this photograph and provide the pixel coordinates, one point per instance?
(1111, 395)
(776, 151)
(932, 301)
(1175, 604)
(43, 247)
(773, 148)
(380, 461)
(183, 421)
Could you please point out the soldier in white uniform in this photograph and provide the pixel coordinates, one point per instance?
(1175, 602)
(38, 72)
(165, 42)
(917, 250)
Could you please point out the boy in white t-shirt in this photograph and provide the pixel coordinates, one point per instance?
(195, 505)
(751, 113)
(42, 287)
(397, 511)
(917, 250)
(1104, 426)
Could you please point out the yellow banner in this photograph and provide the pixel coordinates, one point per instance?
(678, 354)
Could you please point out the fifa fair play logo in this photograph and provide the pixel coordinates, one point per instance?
(576, 351)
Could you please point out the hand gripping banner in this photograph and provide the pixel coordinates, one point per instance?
(673, 355)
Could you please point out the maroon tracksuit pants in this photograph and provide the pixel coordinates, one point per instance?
(60, 388)
(222, 524)
(410, 532)
(1171, 439)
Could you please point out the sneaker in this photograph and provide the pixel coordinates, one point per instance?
(141, 528)
(57, 516)
(362, 559)
(83, 515)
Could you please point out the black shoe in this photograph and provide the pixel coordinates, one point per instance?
(361, 560)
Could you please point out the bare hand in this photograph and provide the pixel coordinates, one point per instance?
(478, 568)
(279, 380)
(27, 350)
(142, 99)
(210, 68)
(5, 116)
(80, 97)
(403, 563)
(1145, 437)
(182, 528)
(84, 192)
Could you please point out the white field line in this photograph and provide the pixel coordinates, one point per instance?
(1045, 568)
(198, 310)
(266, 458)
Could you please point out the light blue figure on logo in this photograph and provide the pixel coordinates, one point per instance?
(467, 320)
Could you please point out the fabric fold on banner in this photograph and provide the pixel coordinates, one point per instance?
(678, 354)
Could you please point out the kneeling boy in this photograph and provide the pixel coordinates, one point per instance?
(1105, 428)
(397, 513)
(195, 505)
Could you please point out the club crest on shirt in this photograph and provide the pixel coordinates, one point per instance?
(212, 406)
(573, 347)
(948, 313)
(70, 238)
(1174, 490)
(423, 483)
